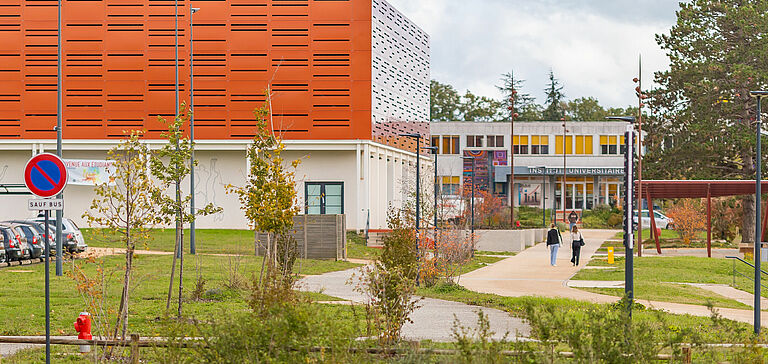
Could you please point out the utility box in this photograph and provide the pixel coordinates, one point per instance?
(317, 237)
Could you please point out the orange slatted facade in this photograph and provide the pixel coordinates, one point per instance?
(118, 58)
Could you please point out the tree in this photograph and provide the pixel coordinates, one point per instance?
(479, 108)
(443, 101)
(522, 101)
(170, 165)
(126, 209)
(585, 109)
(268, 197)
(703, 116)
(553, 109)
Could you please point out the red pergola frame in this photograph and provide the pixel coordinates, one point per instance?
(698, 189)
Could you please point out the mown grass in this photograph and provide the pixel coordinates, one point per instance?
(207, 241)
(670, 239)
(357, 247)
(22, 293)
(655, 279)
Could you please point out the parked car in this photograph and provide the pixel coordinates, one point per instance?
(34, 240)
(16, 248)
(68, 240)
(662, 221)
(2, 248)
(73, 238)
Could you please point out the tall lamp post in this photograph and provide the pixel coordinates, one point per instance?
(758, 193)
(512, 115)
(192, 248)
(543, 170)
(434, 152)
(640, 97)
(472, 204)
(416, 136)
(629, 279)
(565, 185)
(59, 105)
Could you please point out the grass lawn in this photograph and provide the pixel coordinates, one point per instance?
(671, 239)
(485, 252)
(477, 262)
(22, 293)
(207, 241)
(655, 278)
(357, 247)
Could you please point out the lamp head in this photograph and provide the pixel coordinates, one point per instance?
(194, 10)
(758, 93)
(629, 119)
(410, 135)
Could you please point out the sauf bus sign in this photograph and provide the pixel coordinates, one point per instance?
(46, 176)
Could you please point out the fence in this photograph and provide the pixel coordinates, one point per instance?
(318, 237)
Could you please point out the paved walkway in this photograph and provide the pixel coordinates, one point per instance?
(529, 274)
(432, 321)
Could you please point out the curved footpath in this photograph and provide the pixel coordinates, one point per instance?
(529, 274)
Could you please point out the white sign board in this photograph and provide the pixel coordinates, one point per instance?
(46, 204)
(88, 172)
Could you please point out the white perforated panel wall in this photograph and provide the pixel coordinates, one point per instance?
(400, 53)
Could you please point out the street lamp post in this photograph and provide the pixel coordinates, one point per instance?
(416, 136)
(543, 170)
(192, 248)
(434, 152)
(565, 186)
(472, 204)
(512, 115)
(629, 279)
(758, 196)
(59, 106)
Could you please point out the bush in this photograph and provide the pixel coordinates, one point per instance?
(689, 218)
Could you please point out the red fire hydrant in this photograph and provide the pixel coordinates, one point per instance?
(83, 327)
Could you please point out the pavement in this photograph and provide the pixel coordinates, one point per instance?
(9, 349)
(529, 274)
(433, 320)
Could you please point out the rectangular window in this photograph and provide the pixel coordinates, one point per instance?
(568, 144)
(491, 141)
(495, 141)
(520, 144)
(622, 147)
(583, 144)
(544, 144)
(324, 198)
(450, 185)
(474, 141)
(436, 142)
(450, 144)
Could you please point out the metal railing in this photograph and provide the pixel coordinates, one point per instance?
(735, 272)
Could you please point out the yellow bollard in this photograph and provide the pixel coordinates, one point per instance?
(610, 255)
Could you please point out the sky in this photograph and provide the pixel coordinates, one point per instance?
(592, 46)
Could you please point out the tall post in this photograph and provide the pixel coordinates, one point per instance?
(179, 226)
(639, 156)
(192, 247)
(47, 293)
(472, 208)
(418, 192)
(543, 197)
(59, 107)
(628, 200)
(511, 163)
(565, 186)
(758, 235)
(434, 151)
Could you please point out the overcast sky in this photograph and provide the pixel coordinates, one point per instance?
(591, 45)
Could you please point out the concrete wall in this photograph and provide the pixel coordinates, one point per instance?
(508, 240)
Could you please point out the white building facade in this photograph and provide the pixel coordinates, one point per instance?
(588, 156)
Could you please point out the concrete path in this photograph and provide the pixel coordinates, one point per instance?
(432, 321)
(10, 349)
(732, 293)
(529, 274)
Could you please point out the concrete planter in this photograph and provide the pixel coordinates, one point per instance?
(508, 240)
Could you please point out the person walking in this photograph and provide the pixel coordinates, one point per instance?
(577, 241)
(554, 240)
(573, 218)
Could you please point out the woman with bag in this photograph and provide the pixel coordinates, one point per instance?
(577, 241)
(554, 239)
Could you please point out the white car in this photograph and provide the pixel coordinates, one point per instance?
(662, 221)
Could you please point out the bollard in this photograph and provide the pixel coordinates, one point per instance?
(610, 255)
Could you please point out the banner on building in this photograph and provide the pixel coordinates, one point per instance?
(87, 172)
(529, 194)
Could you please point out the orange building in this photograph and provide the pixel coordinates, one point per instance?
(344, 75)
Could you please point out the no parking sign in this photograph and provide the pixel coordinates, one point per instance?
(45, 175)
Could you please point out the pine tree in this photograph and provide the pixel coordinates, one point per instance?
(553, 108)
(522, 101)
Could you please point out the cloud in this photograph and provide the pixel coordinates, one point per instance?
(592, 46)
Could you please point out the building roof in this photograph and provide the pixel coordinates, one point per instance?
(698, 188)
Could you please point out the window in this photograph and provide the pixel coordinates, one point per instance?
(539, 144)
(622, 146)
(583, 144)
(608, 144)
(450, 144)
(496, 141)
(436, 143)
(520, 144)
(568, 144)
(450, 185)
(474, 141)
(324, 198)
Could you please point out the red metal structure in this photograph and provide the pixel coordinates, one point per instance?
(697, 189)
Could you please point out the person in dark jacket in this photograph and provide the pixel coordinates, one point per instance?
(554, 240)
(577, 241)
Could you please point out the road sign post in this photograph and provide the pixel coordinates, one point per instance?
(46, 176)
